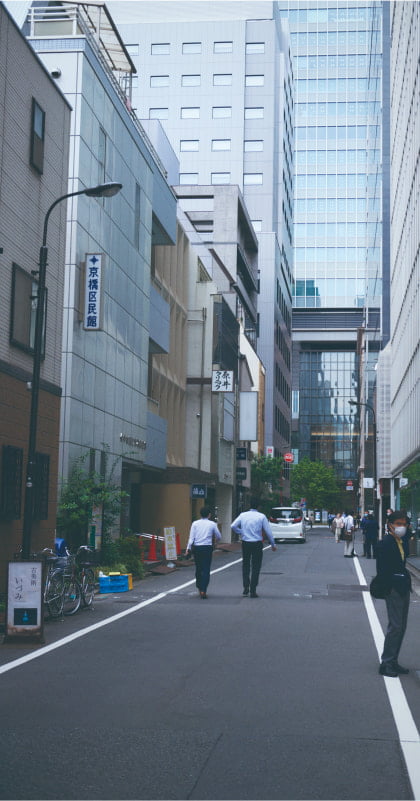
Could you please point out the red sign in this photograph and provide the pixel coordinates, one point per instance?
(288, 457)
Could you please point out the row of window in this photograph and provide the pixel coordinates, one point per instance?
(335, 181)
(351, 230)
(282, 345)
(326, 39)
(283, 306)
(219, 79)
(348, 255)
(193, 48)
(339, 108)
(249, 178)
(338, 13)
(335, 132)
(282, 425)
(282, 385)
(321, 158)
(348, 61)
(337, 205)
(192, 145)
(337, 84)
(218, 112)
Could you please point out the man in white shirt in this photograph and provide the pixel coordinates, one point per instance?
(250, 526)
(203, 533)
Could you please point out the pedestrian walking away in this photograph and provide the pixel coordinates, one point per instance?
(203, 536)
(391, 554)
(348, 533)
(371, 531)
(250, 527)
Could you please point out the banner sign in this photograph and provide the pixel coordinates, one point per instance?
(93, 292)
(198, 490)
(24, 600)
(222, 381)
(170, 543)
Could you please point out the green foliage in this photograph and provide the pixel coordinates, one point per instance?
(317, 483)
(410, 495)
(131, 553)
(79, 495)
(266, 476)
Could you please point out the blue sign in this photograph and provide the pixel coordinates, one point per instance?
(198, 490)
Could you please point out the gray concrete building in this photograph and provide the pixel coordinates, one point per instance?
(34, 150)
(219, 78)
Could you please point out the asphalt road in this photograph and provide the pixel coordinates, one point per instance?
(230, 698)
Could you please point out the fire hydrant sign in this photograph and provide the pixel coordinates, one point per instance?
(24, 600)
(170, 543)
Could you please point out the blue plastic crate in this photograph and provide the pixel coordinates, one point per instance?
(113, 583)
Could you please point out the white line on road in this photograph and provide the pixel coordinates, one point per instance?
(88, 630)
(407, 731)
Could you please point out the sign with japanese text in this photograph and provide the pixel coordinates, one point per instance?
(24, 600)
(170, 543)
(93, 292)
(222, 381)
(198, 490)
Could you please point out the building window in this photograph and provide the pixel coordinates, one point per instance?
(254, 47)
(222, 80)
(188, 145)
(190, 113)
(190, 80)
(254, 80)
(132, 49)
(11, 482)
(223, 47)
(220, 144)
(188, 178)
(159, 80)
(37, 137)
(220, 112)
(253, 178)
(254, 113)
(160, 49)
(137, 217)
(158, 114)
(220, 177)
(191, 47)
(23, 313)
(252, 145)
(257, 225)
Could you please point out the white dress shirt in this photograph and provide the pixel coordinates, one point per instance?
(202, 532)
(250, 526)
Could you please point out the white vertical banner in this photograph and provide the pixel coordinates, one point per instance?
(248, 416)
(170, 543)
(93, 292)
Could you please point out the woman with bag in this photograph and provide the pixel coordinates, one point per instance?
(348, 536)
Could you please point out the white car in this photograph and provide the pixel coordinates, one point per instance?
(287, 523)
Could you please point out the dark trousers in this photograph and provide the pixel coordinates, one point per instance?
(252, 554)
(370, 545)
(397, 608)
(202, 557)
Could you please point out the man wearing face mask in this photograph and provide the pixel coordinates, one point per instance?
(391, 555)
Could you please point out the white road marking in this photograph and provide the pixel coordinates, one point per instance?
(88, 630)
(407, 731)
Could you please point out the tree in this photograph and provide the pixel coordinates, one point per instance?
(315, 482)
(266, 474)
(80, 493)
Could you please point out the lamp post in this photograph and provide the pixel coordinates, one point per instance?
(368, 406)
(102, 190)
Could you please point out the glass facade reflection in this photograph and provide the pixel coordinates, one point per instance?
(328, 428)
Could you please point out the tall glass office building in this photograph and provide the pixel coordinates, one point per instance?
(337, 54)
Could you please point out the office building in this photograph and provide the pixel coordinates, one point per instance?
(338, 255)
(219, 78)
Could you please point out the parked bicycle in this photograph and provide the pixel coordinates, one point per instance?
(54, 584)
(86, 574)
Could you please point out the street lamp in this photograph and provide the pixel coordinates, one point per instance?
(368, 406)
(103, 190)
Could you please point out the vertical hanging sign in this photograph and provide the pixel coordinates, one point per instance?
(93, 292)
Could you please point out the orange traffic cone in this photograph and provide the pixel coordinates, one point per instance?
(178, 545)
(152, 550)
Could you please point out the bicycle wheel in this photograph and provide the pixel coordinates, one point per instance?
(54, 594)
(88, 587)
(72, 595)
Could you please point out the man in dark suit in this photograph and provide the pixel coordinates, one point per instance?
(391, 555)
